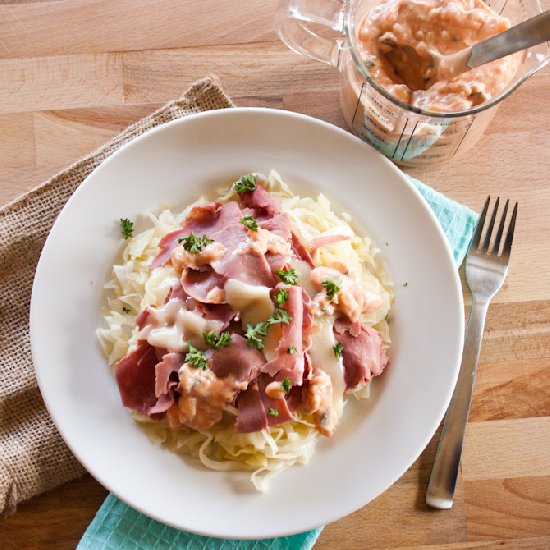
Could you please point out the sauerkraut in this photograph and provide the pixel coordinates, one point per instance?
(134, 286)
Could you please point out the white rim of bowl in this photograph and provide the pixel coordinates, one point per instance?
(237, 111)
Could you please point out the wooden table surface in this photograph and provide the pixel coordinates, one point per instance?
(74, 73)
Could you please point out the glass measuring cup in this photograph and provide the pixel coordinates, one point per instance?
(326, 30)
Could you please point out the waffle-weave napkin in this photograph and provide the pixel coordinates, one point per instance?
(33, 457)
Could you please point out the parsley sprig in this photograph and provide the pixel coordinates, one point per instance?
(272, 412)
(254, 334)
(194, 244)
(281, 296)
(338, 350)
(288, 275)
(291, 349)
(286, 385)
(250, 222)
(331, 288)
(195, 357)
(126, 228)
(212, 339)
(279, 316)
(246, 183)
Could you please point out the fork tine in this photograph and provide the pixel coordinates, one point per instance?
(510, 235)
(489, 231)
(480, 224)
(500, 229)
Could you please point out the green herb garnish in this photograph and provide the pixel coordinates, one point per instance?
(279, 316)
(273, 412)
(126, 228)
(292, 349)
(126, 309)
(331, 288)
(281, 296)
(338, 350)
(286, 385)
(254, 334)
(211, 339)
(250, 222)
(288, 275)
(246, 183)
(195, 357)
(194, 244)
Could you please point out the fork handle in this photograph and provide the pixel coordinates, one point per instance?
(441, 486)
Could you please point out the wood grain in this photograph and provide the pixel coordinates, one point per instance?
(63, 135)
(507, 508)
(491, 446)
(535, 543)
(54, 520)
(73, 73)
(31, 29)
(60, 82)
(16, 140)
(162, 74)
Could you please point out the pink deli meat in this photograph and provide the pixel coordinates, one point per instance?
(300, 250)
(252, 416)
(198, 221)
(237, 359)
(221, 223)
(264, 204)
(288, 364)
(327, 240)
(164, 371)
(217, 312)
(363, 356)
(278, 411)
(199, 283)
(279, 224)
(135, 375)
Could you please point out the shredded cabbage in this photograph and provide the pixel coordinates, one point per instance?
(133, 287)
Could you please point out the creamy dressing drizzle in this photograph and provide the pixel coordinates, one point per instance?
(171, 326)
(352, 299)
(262, 241)
(181, 258)
(323, 358)
(252, 302)
(204, 398)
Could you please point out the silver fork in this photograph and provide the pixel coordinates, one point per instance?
(486, 269)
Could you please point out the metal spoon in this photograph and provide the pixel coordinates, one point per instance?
(438, 67)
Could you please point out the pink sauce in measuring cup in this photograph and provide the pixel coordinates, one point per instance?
(439, 26)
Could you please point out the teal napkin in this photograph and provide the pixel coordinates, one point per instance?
(116, 526)
(457, 221)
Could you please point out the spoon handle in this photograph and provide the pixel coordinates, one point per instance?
(529, 33)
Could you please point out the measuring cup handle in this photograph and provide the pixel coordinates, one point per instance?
(298, 23)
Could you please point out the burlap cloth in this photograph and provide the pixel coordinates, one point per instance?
(33, 456)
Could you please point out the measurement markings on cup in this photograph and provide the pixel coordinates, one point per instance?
(358, 103)
(400, 137)
(409, 141)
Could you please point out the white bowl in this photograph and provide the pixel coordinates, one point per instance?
(378, 439)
